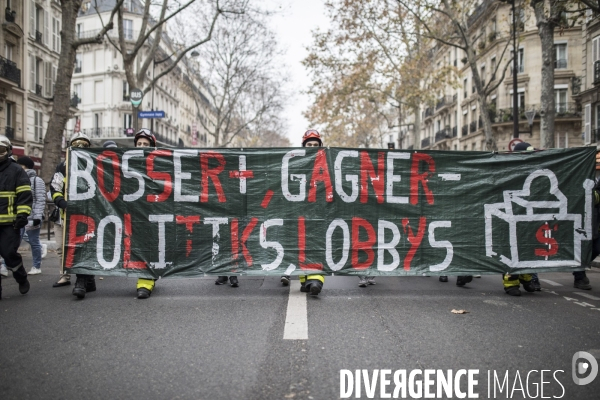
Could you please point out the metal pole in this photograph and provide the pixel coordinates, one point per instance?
(515, 71)
(152, 119)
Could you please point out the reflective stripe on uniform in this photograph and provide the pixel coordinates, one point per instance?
(56, 194)
(23, 188)
(23, 210)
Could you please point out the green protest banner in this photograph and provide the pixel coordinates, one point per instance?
(189, 212)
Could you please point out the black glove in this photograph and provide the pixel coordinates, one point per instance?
(62, 204)
(37, 222)
(21, 221)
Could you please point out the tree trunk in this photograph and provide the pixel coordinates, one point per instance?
(62, 91)
(547, 100)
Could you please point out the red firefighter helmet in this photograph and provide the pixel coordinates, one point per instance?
(311, 134)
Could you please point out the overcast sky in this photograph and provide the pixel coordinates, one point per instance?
(293, 26)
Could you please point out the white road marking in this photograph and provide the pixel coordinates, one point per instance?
(589, 296)
(548, 281)
(450, 177)
(296, 318)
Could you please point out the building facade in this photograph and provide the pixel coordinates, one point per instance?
(12, 85)
(454, 121)
(100, 86)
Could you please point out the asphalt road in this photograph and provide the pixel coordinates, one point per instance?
(195, 340)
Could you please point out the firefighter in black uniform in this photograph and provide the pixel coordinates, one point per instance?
(85, 283)
(15, 207)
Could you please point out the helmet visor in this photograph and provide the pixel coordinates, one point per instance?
(80, 143)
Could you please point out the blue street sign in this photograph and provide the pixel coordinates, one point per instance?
(151, 114)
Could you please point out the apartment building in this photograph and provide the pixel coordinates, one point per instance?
(42, 51)
(12, 93)
(590, 80)
(102, 92)
(454, 121)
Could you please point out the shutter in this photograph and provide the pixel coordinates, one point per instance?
(48, 80)
(32, 73)
(54, 44)
(595, 49)
(54, 72)
(58, 40)
(46, 28)
(32, 19)
(588, 128)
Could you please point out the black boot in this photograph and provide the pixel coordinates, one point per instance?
(443, 279)
(90, 284)
(463, 280)
(233, 281)
(143, 293)
(512, 290)
(221, 280)
(20, 276)
(79, 289)
(528, 286)
(314, 286)
(285, 280)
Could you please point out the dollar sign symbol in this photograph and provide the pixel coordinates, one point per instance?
(543, 236)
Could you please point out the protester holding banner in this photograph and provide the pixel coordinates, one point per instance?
(15, 208)
(31, 232)
(85, 283)
(144, 138)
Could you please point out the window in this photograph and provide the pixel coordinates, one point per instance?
(483, 75)
(561, 141)
(8, 51)
(465, 83)
(560, 56)
(561, 100)
(38, 118)
(125, 91)
(521, 101)
(128, 29)
(520, 56)
(127, 121)
(493, 69)
(127, 5)
(588, 119)
(77, 91)
(78, 62)
(79, 30)
(9, 114)
(98, 92)
(97, 124)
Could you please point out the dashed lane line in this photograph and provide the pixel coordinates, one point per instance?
(589, 296)
(552, 283)
(296, 318)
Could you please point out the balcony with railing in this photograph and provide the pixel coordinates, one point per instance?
(465, 130)
(115, 132)
(428, 112)
(440, 135)
(568, 110)
(9, 70)
(425, 142)
(10, 15)
(9, 132)
(454, 131)
(472, 126)
(444, 101)
(560, 64)
(128, 34)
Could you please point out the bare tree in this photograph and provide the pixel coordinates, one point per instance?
(447, 22)
(60, 113)
(241, 68)
(369, 70)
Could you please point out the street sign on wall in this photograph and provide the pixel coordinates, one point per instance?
(151, 114)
